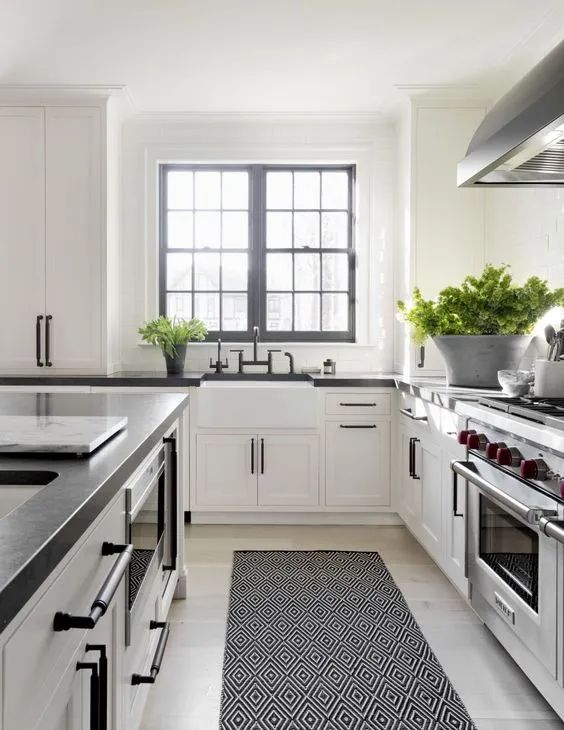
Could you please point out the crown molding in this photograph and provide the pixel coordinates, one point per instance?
(259, 117)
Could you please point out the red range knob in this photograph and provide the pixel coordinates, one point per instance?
(463, 436)
(477, 441)
(533, 469)
(492, 449)
(508, 457)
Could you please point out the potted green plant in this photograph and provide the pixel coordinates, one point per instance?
(172, 335)
(483, 325)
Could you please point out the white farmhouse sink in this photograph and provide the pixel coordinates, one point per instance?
(257, 404)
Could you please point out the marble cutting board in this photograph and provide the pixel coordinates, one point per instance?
(57, 434)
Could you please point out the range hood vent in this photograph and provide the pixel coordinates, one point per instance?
(521, 139)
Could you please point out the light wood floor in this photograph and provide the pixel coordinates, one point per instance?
(187, 693)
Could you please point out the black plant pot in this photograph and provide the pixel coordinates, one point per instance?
(175, 365)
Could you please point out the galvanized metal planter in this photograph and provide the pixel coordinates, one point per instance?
(472, 361)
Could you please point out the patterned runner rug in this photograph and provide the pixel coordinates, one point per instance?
(324, 640)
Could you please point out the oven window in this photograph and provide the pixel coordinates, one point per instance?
(511, 550)
(146, 533)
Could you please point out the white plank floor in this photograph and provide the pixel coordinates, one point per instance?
(187, 693)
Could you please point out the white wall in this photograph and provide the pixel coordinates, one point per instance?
(366, 141)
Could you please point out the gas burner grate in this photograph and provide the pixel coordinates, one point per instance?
(549, 411)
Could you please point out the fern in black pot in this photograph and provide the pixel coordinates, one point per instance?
(172, 335)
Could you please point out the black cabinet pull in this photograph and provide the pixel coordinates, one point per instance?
(412, 458)
(358, 425)
(158, 658)
(38, 340)
(48, 319)
(65, 621)
(455, 512)
(252, 456)
(362, 405)
(421, 363)
(92, 667)
(103, 683)
(173, 493)
(262, 456)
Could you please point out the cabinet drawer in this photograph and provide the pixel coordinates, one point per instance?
(36, 655)
(357, 404)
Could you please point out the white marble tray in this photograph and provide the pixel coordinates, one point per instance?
(57, 434)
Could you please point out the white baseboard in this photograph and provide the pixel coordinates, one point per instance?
(296, 518)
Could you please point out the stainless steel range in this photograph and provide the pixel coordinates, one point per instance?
(515, 531)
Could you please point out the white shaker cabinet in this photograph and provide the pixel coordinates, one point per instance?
(288, 470)
(73, 238)
(59, 241)
(226, 470)
(22, 234)
(257, 470)
(357, 463)
(428, 467)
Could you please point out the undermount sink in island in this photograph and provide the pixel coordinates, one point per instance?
(49, 501)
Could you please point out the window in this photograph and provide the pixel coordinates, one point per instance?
(267, 246)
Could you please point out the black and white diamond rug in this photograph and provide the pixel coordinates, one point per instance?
(324, 640)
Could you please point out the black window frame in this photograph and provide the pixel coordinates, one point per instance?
(257, 251)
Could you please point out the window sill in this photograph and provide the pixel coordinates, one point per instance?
(277, 344)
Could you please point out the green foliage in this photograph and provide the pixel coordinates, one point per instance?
(166, 333)
(491, 304)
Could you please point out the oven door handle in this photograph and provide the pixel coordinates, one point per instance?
(552, 527)
(467, 470)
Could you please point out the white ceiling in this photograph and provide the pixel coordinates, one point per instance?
(273, 55)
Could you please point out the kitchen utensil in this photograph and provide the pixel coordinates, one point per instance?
(550, 335)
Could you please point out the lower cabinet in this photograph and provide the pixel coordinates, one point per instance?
(257, 470)
(288, 473)
(226, 470)
(427, 497)
(357, 463)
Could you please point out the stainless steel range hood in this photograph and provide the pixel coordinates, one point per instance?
(521, 140)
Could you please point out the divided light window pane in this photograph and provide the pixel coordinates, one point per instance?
(259, 244)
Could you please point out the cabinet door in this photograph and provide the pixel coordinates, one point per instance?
(357, 464)
(288, 470)
(74, 235)
(226, 470)
(22, 236)
(410, 484)
(428, 467)
(454, 554)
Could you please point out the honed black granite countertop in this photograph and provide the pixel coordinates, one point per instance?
(37, 535)
(159, 379)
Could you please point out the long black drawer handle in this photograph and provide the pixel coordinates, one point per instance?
(158, 658)
(358, 425)
(455, 512)
(48, 319)
(38, 340)
(66, 621)
(262, 456)
(362, 405)
(92, 667)
(252, 456)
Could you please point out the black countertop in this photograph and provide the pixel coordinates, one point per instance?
(159, 379)
(37, 535)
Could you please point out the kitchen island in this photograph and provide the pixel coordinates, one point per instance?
(35, 537)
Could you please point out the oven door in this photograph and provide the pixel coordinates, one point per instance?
(512, 565)
(146, 529)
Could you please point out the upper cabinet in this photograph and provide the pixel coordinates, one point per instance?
(59, 238)
(441, 228)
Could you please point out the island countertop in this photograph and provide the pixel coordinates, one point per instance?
(36, 536)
